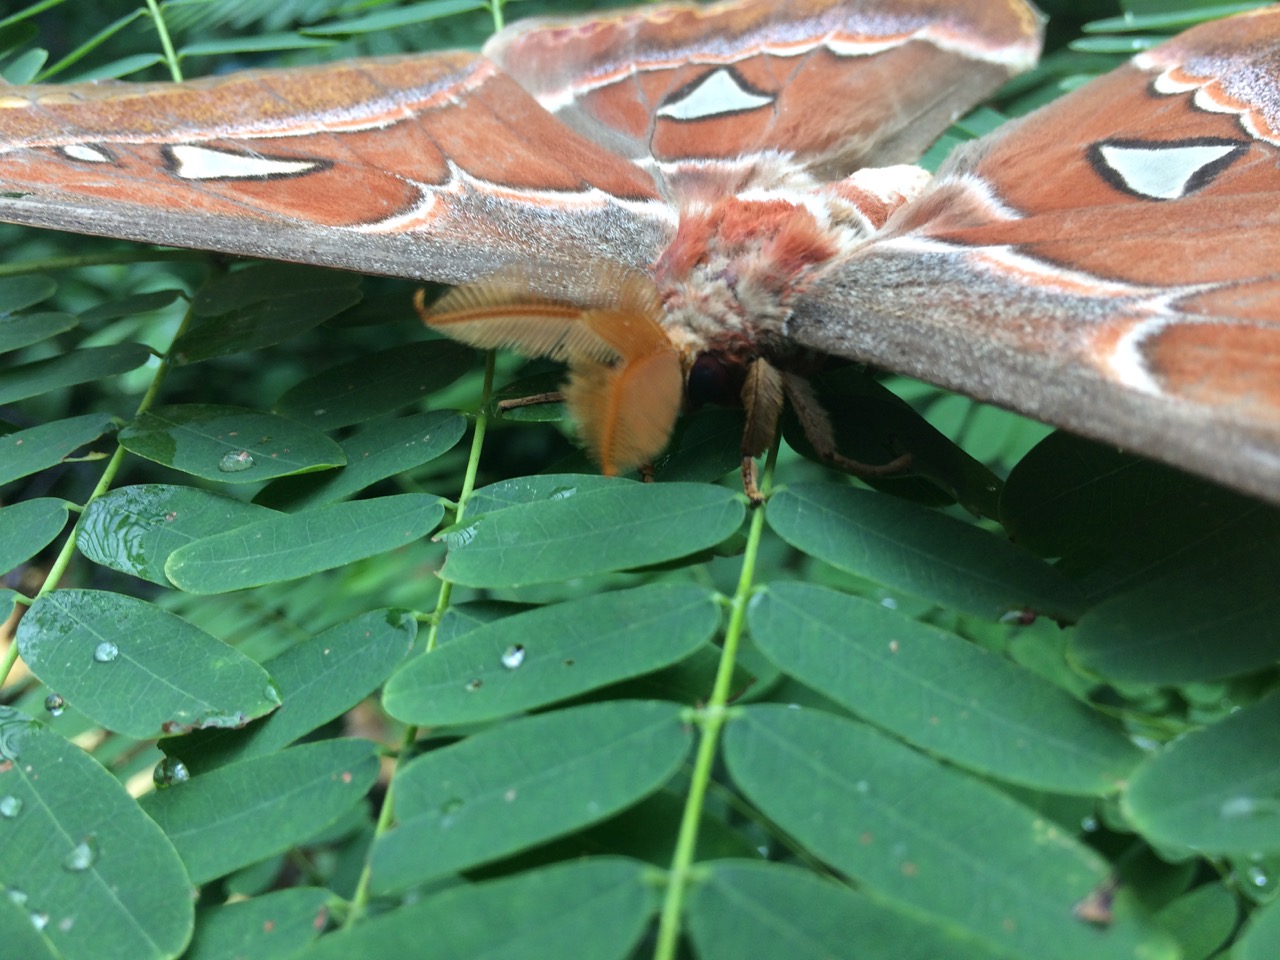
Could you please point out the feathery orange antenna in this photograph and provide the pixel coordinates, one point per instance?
(625, 377)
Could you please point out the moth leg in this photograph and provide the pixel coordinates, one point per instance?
(762, 398)
(533, 400)
(817, 429)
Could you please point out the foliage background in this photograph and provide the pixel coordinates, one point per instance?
(631, 719)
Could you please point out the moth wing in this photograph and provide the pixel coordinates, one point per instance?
(841, 85)
(1109, 264)
(438, 167)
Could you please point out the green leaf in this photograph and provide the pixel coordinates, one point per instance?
(1202, 920)
(8, 602)
(543, 486)
(228, 444)
(130, 306)
(585, 909)
(289, 546)
(119, 68)
(18, 293)
(372, 385)
(617, 527)
(703, 448)
(1210, 620)
(28, 527)
(1261, 937)
(531, 659)
(95, 875)
(135, 529)
(523, 783)
(319, 679)
(1216, 789)
(240, 813)
(375, 453)
(265, 42)
(1116, 520)
(137, 669)
(263, 305)
(1171, 19)
(18, 930)
(397, 17)
(274, 926)
(28, 328)
(79, 366)
(940, 692)
(29, 451)
(743, 908)
(928, 836)
(920, 551)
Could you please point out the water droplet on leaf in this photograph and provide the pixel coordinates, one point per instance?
(236, 461)
(10, 806)
(513, 656)
(82, 856)
(16, 896)
(105, 652)
(55, 704)
(170, 772)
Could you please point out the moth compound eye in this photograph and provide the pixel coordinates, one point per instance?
(712, 380)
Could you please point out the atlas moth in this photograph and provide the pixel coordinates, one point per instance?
(700, 200)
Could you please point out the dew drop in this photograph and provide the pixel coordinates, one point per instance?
(105, 652)
(55, 704)
(39, 920)
(513, 656)
(82, 856)
(1089, 824)
(170, 772)
(1258, 876)
(473, 685)
(16, 896)
(450, 806)
(10, 806)
(236, 461)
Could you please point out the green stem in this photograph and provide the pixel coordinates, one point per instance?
(360, 899)
(166, 43)
(63, 560)
(711, 719)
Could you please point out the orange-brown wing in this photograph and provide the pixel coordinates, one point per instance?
(839, 85)
(439, 167)
(1109, 264)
